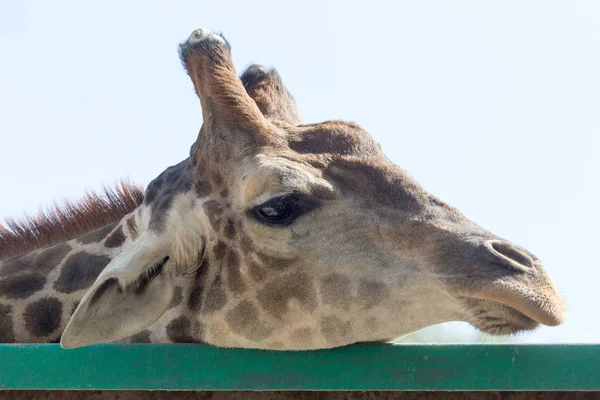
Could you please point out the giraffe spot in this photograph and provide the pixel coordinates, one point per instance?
(141, 337)
(257, 273)
(50, 258)
(213, 211)
(43, 316)
(334, 329)
(80, 271)
(115, 239)
(177, 297)
(7, 332)
(336, 291)
(198, 330)
(273, 262)
(179, 330)
(16, 265)
(160, 210)
(244, 321)
(98, 235)
(247, 245)
(216, 298)
(224, 193)
(276, 295)
(234, 277)
(217, 179)
(21, 286)
(153, 189)
(229, 229)
(303, 336)
(371, 293)
(42, 262)
(132, 227)
(203, 188)
(220, 250)
(195, 299)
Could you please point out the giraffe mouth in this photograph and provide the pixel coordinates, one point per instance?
(502, 310)
(496, 318)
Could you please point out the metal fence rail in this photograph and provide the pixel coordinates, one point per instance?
(358, 367)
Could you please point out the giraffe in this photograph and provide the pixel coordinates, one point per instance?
(272, 234)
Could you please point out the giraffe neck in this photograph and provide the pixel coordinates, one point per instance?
(40, 290)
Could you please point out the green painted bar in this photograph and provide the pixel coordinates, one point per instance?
(357, 367)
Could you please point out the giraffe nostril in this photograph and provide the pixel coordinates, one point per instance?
(510, 255)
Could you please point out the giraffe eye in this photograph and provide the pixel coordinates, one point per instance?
(279, 210)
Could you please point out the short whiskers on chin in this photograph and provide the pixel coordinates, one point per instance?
(497, 319)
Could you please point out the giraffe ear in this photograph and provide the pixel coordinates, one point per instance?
(130, 294)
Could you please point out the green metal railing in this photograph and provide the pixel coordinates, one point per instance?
(357, 367)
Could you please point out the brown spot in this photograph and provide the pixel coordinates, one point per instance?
(141, 337)
(177, 297)
(229, 229)
(224, 193)
(247, 245)
(234, 278)
(43, 316)
(195, 298)
(334, 329)
(153, 188)
(115, 239)
(244, 320)
(203, 188)
(43, 262)
(21, 286)
(16, 265)
(273, 262)
(80, 271)
(216, 298)
(213, 210)
(217, 179)
(220, 250)
(198, 330)
(277, 294)
(132, 227)
(98, 235)
(371, 293)
(160, 210)
(303, 335)
(336, 291)
(257, 272)
(7, 334)
(179, 330)
(48, 259)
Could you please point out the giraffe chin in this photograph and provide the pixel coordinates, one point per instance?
(496, 318)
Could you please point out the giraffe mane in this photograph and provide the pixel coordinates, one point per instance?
(67, 219)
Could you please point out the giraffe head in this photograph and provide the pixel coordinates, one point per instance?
(296, 236)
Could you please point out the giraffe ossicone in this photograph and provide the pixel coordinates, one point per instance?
(272, 234)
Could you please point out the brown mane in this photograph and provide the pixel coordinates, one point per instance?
(67, 219)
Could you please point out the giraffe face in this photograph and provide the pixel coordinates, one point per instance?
(313, 235)
(285, 235)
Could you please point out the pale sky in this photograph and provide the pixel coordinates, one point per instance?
(495, 108)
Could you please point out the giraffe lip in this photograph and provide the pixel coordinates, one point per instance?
(541, 309)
